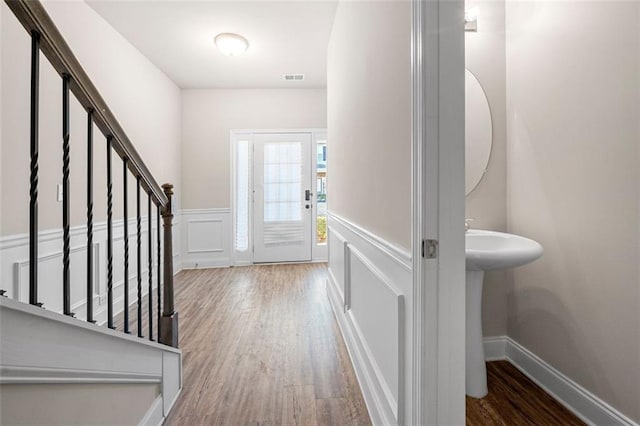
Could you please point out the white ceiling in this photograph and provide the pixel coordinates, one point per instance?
(177, 36)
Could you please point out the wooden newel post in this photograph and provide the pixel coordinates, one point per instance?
(169, 320)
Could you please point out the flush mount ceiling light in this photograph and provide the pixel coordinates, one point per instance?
(231, 44)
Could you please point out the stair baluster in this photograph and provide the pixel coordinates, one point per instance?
(109, 237)
(66, 219)
(150, 266)
(125, 236)
(90, 215)
(139, 242)
(33, 178)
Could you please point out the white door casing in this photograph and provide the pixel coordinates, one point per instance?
(282, 197)
(437, 38)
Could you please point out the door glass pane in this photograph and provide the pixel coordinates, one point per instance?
(283, 193)
(321, 191)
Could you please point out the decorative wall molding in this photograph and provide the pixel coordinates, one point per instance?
(10, 241)
(387, 257)
(338, 248)
(368, 281)
(398, 253)
(382, 406)
(206, 238)
(25, 375)
(192, 212)
(584, 404)
(366, 379)
(195, 230)
(375, 303)
(346, 250)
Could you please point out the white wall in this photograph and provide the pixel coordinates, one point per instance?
(143, 99)
(573, 184)
(208, 116)
(369, 185)
(368, 98)
(485, 58)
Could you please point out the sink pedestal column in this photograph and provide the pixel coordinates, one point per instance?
(476, 370)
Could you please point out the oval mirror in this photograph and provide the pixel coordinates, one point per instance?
(478, 132)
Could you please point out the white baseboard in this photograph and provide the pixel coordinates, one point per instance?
(154, 416)
(172, 403)
(584, 404)
(192, 264)
(495, 348)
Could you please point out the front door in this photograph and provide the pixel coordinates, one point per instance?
(282, 213)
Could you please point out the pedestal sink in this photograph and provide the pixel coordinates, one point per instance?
(484, 251)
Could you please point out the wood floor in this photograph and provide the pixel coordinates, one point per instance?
(514, 400)
(260, 345)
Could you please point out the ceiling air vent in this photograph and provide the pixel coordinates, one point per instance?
(294, 77)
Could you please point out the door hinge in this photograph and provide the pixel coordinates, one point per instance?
(430, 249)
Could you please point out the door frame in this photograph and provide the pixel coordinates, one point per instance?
(437, 87)
(319, 253)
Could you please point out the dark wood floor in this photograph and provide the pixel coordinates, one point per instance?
(513, 400)
(261, 346)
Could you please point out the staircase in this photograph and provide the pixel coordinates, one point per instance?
(59, 365)
(59, 370)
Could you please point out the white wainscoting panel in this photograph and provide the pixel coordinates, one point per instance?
(206, 238)
(14, 266)
(376, 313)
(51, 266)
(370, 290)
(177, 242)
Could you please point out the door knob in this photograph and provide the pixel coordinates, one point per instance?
(307, 206)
